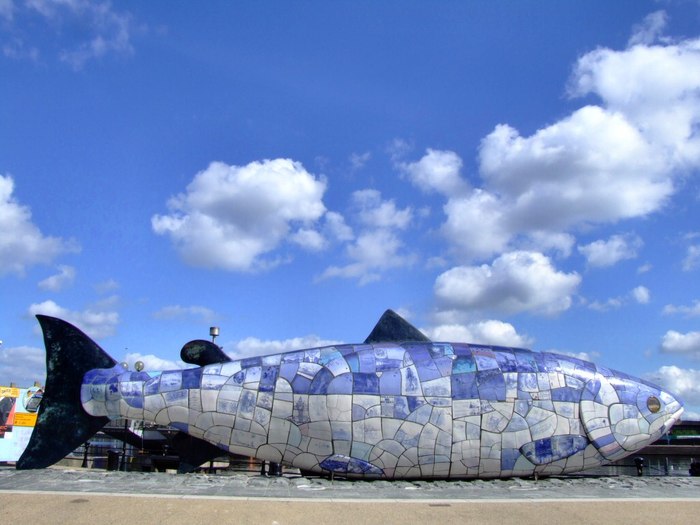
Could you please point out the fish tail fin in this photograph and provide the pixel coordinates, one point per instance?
(62, 425)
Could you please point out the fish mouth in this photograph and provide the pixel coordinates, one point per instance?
(672, 419)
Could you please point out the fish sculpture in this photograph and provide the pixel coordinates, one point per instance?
(397, 406)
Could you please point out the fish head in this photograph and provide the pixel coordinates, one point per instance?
(622, 414)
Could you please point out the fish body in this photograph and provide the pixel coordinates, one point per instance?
(388, 410)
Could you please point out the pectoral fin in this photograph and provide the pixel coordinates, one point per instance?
(347, 465)
(553, 448)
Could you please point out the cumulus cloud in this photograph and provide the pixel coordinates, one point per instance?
(608, 253)
(437, 171)
(685, 383)
(22, 365)
(560, 244)
(644, 268)
(397, 149)
(177, 312)
(80, 30)
(97, 324)
(378, 246)
(106, 286)
(678, 343)
(475, 225)
(7, 9)
(612, 303)
(640, 295)
(21, 243)
(336, 227)
(603, 163)
(309, 239)
(231, 217)
(515, 282)
(688, 311)
(377, 213)
(152, 362)
(252, 346)
(358, 160)
(649, 30)
(593, 166)
(692, 258)
(584, 356)
(372, 253)
(490, 332)
(655, 89)
(57, 282)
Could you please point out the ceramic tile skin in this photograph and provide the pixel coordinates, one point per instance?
(392, 411)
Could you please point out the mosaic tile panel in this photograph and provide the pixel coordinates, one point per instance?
(387, 410)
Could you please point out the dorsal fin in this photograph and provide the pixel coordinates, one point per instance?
(201, 353)
(391, 327)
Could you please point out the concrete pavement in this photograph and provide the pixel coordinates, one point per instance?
(59, 495)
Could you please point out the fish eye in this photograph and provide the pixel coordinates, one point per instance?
(653, 404)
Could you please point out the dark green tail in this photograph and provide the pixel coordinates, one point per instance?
(62, 424)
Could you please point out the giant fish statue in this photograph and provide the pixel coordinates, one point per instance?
(398, 406)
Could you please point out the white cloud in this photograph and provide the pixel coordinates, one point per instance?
(476, 225)
(55, 283)
(152, 362)
(641, 294)
(107, 302)
(685, 383)
(644, 268)
(7, 9)
(592, 166)
(611, 304)
(378, 247)
(377, 213)
(82, 30)
(490, 332)
(230, 217)
(372, 253)
(655, 88)
(678, 343)
(252, 346)
(21, 243)
(178, 312)
(515, 282)
(309, 239)
(336, 227)
(17, 49)
(598, 165)
(106, 286)
(649, 30)
(584, 356)
(437, 171)
(559, 243)
(358, 160)
(96, 324)
(608, 253)
(692, 258)
(22, 365)
(398, 149)
(688, 311)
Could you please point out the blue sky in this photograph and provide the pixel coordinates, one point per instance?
(516, 173)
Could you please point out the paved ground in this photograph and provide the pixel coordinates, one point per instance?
(59, 495)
